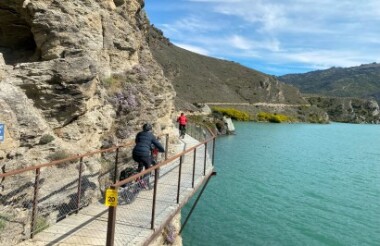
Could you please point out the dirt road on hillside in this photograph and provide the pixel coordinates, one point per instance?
(259, 104)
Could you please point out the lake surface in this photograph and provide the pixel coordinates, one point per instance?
(291, 184)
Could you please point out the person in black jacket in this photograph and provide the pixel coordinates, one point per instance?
(142, 151)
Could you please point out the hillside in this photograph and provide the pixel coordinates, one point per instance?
(201, 79)
(198, 78)
(361, 81)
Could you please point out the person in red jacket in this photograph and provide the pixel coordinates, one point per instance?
(182, 120)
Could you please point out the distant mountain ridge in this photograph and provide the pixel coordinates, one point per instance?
(361, 81)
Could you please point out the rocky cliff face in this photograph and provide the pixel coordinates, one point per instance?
(79, 72)
(348, 110)
(74, 76)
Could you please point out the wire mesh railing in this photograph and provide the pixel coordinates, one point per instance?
(35, 198)
(133, 221)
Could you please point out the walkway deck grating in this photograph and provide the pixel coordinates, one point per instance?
(133, 221)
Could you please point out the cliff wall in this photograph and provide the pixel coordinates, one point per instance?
(78, 71)
(348, 110)
(74, 76)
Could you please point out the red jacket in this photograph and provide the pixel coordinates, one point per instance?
(182, 120)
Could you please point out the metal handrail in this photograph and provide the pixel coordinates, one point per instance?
(57, 162)
(70, 160)
(163, 163)
(78, 160)
(116, 185)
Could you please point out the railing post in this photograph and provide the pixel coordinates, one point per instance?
(205, 160)
(79, 184)
(194, 160)
(111, 224)
(35, 202)
(154, 198)
(116, 162)
(196, 202)
(213, 151)
(179, 177)
(166, 146)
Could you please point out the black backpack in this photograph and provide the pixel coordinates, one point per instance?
(129, 171)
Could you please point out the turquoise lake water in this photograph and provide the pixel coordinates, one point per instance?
(291, 184)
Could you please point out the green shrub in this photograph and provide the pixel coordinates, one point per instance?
(108, 82)
(233, 113)
(273, 118)
(41, 224)
(262, 116)
(113, 84)
(45, 139)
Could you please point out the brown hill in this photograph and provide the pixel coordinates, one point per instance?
(197, 78)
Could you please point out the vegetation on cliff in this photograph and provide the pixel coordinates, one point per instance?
(259, 117)
(233, 113)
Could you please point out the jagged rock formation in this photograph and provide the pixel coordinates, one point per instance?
(79, 71)
(348, 110)
(74, 76)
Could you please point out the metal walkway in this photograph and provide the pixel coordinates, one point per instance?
(134, 221)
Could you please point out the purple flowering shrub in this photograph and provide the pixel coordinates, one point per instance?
(125, 101)
(140, 72)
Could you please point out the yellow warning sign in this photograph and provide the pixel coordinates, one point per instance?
(111, 198)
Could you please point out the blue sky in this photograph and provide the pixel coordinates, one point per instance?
(274, 36)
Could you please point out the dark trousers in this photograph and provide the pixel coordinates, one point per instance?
(143, 161)
(182, 128)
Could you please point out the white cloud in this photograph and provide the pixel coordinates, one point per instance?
(195, 49)
(326, 58)
(195, 24)
(240, 42)
(308, 33)
(187, 25)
